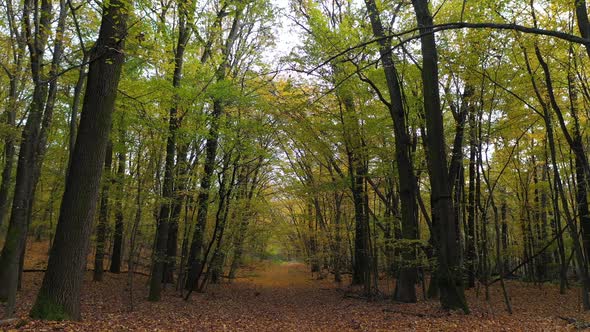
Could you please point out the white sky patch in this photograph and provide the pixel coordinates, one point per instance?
(286, 34)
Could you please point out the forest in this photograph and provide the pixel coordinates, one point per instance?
(294, 165)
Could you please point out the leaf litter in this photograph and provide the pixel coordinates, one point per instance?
(286, 297)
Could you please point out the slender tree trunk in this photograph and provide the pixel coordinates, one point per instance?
(133, 237)
(361, 250)
(499, 255)
(119, 226)
(196, 248)
(160, 259)
(216, 264)
(470, 255)
(504, 236)
(580, 169)
(557, 226)
(103, 215)
(244, 220)
(544, 221)
(59, 296)
(578, 251)
(357, 173)
(78, 88)
(175, 209)
(189, 213)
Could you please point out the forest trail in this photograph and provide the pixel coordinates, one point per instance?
(286, 297)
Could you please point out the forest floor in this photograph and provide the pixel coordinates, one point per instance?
(286, 297)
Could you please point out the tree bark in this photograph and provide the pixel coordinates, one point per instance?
(470, 255)
(559, 191)
(59, 295)
(165, 222)
(196, 247)
(18, 54)
(36, 34)
(103, 215)
(449, 270)
(583, 22)
(119, 226)
(408, 277)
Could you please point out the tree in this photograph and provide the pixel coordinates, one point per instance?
(33, 139)
(103, 215)
(448, 271)
(405, 289)
(59, 296)
(196, 247)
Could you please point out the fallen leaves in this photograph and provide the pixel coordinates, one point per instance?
(285, 298)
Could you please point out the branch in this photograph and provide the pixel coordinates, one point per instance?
(456, 26)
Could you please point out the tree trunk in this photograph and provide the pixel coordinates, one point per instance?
(19, 51)
(470, 255)
(211, 145)
(449, 269)
(9, 149)
(119, 226)
(408, 277)
(583, 22)
(175, 209)
(504, 236)
(59, 296)
(73, 124)
(103, 215)
(131, 261)
(25, 181)
(578, 250)
(196, 247)
(164, 218)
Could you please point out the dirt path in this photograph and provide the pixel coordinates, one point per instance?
(285, 297)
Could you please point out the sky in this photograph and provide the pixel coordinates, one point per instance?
(286, 31)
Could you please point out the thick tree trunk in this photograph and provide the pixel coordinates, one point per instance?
(59, 296)
(449, 270)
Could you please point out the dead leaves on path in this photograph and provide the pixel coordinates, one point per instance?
(286, 298)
